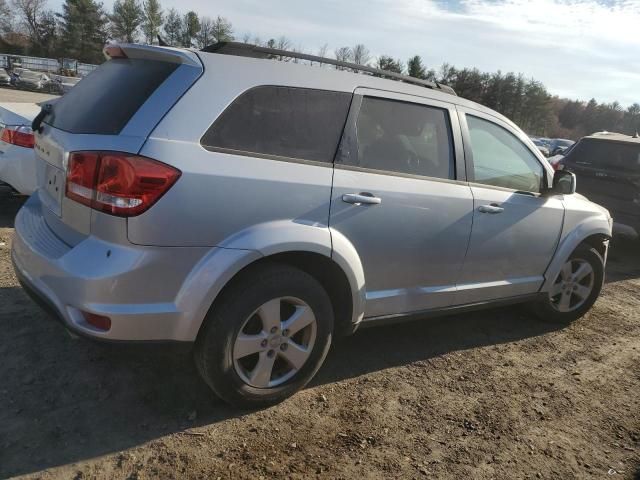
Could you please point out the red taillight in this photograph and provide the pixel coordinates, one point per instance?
(117, 183)
(21, 136)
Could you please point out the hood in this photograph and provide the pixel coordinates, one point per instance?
(593, 205)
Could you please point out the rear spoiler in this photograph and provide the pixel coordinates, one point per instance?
(150, 52)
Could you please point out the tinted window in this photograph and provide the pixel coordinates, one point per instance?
(404, 138)
(501, 159)
(282, 121)
(104, 102)
(607, 155)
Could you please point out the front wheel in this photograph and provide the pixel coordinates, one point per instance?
(575, 289)
(266, 337)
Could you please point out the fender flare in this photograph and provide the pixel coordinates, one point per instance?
(588, 227)
(222, 263)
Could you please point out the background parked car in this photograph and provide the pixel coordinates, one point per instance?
(17, 160)
(5, 78)
(559, 145)
(541, 146)
(31, 80)
(607, 166)
(62, 84)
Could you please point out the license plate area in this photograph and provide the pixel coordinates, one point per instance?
(53, 188)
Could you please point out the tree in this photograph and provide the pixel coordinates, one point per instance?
(204, 36)
(390, 64)
(152, 21)
(190, 28)
(48, 33)
(30, 15)
(632, 119)
(415, 67)
(6, 17)
(360, 54)
(343, 54)
(222, 30)
(570, 114)
(173, 28)
(83, 32)
(127, 16)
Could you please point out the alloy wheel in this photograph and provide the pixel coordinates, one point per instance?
(274, 342)
(573, 286)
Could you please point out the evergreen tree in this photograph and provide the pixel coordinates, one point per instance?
(127, 16)
(390, 64)
(82, 28)
(190, 28)
(222, 30)
(152, 21)
(173, 28)
(415, 67)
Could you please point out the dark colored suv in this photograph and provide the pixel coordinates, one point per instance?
(607, 167)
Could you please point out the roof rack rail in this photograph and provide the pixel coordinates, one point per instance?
(256, 51)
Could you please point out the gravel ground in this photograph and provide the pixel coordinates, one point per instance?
(486, 395)
(22, 96)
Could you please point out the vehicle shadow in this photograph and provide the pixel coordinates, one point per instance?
(63, 400)
(9, 206)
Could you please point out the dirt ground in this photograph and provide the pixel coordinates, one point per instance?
(20, 96)
(495, 394)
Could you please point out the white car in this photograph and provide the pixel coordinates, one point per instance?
(17, 159)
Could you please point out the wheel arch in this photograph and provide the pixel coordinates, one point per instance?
(594, 231)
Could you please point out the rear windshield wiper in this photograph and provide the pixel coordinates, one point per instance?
(36, 125)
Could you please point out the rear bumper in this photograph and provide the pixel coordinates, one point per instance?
(149, 293)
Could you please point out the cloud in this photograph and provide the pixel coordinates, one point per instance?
(580, 49)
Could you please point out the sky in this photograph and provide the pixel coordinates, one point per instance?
(578, 49)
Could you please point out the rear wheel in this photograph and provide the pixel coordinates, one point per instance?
(266, 337)
(575, 289)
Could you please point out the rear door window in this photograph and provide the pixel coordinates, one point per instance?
(402, 137)
(296, 123)
(105, 101)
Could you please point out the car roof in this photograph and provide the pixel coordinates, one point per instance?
(337, 80)
(614, 137)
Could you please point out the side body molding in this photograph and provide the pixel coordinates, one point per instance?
(578, 225)
(238, 251)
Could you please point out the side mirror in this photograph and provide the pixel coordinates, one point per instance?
(564, 183)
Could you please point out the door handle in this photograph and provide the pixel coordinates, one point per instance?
(493, 208)
(362, 198)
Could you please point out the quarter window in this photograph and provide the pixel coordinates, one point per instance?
(403, 137)
(500, 159)
(287, 122)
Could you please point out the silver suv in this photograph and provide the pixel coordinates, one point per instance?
(258, 208)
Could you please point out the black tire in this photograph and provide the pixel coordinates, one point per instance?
(544, 309)
(214, 345)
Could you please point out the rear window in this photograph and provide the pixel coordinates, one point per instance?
(104, 102)
(607, 155)
(286, 122)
